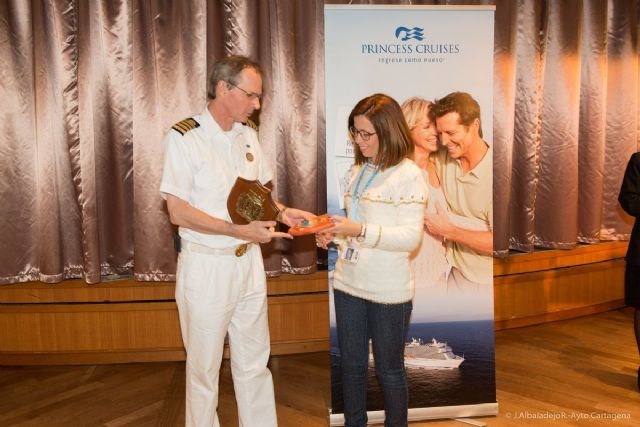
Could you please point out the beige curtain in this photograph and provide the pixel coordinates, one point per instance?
(66, 141)
(89, 88)
(565, 120)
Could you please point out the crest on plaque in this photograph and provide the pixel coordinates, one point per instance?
(250, 201)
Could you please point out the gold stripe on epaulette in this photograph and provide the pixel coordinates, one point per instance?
(185, 126)
(251, 124)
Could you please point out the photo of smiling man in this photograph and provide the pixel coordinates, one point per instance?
(465, 168)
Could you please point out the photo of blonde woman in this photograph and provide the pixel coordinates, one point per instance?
(428, 261)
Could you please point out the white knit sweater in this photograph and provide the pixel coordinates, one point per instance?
(393, 208)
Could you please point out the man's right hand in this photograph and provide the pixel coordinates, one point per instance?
(260, 232)
(183, 214)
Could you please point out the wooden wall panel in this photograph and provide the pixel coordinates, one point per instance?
(127, 321)
(299, 324)
(544, 260)
(77, 291)
(72, 322)
(536, 297)
(89, 327)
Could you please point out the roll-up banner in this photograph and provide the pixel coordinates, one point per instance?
(426, 52)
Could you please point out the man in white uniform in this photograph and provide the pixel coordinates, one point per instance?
(221, 285)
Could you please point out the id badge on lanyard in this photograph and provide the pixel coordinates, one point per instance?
(350, 254)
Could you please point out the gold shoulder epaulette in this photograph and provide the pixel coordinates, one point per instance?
(186, 125)
(251, 124)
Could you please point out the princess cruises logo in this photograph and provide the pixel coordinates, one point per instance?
(409, 46)
(405, 34)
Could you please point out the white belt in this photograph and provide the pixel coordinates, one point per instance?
(197, 248)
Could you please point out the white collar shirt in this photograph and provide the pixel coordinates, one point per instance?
(202, 164)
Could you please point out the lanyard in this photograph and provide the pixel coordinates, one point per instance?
(355, 200)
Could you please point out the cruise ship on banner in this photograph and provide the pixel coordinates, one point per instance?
(433, 355)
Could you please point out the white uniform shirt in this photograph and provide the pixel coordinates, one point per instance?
(201, 166)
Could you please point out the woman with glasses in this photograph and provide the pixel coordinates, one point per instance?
(372, 282)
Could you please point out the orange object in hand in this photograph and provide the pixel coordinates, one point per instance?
(312, 226)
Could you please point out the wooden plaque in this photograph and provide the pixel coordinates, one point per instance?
(250, 201)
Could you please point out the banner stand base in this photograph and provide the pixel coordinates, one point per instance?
(458, 413)
(470, 422)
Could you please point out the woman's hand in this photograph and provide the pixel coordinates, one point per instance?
(345, 226)
(323, 239)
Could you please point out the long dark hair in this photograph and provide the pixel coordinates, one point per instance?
(387, 119)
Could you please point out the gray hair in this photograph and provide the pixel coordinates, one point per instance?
(228, 69)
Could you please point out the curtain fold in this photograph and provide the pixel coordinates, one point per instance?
(592, 126)
(558, 145)
(169, 84)
(104, 177)
(40, 218)
(507, 41)
(90, 88)
(522, 76)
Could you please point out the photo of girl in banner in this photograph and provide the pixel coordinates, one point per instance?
(372, 281)
(428, 261)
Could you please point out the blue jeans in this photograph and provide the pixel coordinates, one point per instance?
(357, 320)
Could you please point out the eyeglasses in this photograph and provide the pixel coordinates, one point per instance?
(251, 95)
(364, 135)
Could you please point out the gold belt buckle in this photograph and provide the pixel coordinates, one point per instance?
(242, 249)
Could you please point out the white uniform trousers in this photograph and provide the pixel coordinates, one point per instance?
(217, 294)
